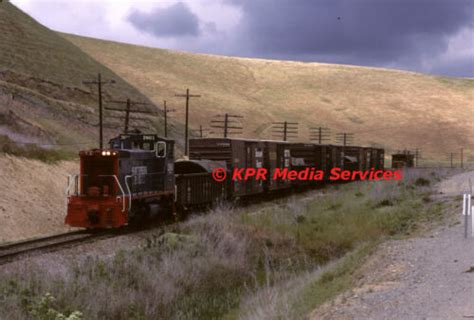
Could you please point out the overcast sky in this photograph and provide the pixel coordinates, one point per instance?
(431, 36)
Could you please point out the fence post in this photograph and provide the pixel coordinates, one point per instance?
(467, 213)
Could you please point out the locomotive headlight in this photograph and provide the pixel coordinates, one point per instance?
(104, 153)
(108, 153)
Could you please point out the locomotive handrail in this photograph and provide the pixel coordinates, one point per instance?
(129, 192)
(69, 179)
(121, 189)
(72, 179)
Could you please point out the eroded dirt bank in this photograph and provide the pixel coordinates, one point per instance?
(32, 197)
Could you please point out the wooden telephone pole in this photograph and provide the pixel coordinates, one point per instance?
(166, 111)
(320, 134)
(285, 129)
(187, 96)
(128, 104)
(345, 138)
(99, 84)
(203, 131)
(227, 123)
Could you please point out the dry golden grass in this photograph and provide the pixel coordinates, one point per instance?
(395, 109)
(32, 201)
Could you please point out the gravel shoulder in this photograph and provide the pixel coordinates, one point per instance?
(426, 277)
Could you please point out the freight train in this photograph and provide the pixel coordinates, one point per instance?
(137, 177)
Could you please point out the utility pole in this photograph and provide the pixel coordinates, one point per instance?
(285, 129)
(203, 131)
(345, 138)
(128, 104)
(225, 122)
(451, 157)
(320, 134)
(99, 84)
(187, 96)
(166, 111)
(417, 157)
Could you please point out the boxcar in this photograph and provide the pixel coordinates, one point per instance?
(404, 159)
(335, 156)
(309, 155)
(354, 158)
(378, 158)
(277, 155)
(237, 153)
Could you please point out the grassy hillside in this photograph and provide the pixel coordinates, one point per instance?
(383, 107)
(42, 97)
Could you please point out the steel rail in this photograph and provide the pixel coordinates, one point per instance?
(9, 252)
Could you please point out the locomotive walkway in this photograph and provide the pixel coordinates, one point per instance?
(428, 277)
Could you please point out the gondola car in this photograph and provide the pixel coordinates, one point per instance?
(195, 186)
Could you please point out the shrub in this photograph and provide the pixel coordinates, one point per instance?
(33, 151)
(422, 182)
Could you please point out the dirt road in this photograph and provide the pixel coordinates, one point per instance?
(427, 277)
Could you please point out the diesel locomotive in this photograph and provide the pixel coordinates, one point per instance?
(137, 177)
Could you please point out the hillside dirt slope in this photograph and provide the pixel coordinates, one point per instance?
(42, 97)
(392, 108)
(32, 200)
(428, 277)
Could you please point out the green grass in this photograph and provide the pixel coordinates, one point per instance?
(332, 282)
(337, 223)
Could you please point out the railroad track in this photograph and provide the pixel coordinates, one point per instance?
(13, 251)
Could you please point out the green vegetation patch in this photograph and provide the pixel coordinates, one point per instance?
(33, 151)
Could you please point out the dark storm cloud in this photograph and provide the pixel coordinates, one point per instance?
(374, 32)
(173, 21)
